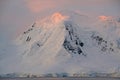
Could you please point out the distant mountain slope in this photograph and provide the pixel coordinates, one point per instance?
(69, 42)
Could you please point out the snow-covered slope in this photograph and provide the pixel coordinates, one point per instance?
(69, 43)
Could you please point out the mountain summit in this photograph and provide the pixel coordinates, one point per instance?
(70, 43)
(58, 17)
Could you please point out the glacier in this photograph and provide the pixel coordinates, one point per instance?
(67, 42)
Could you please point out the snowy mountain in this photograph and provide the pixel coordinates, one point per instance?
(68, 42)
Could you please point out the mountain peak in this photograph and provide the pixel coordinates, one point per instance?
(105, 18)
(66, 39)
(58, 17)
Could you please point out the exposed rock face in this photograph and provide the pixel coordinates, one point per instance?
(72, 42)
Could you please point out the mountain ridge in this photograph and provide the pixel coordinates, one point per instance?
(66, 42)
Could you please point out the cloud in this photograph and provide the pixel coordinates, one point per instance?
(40, 5)
(58, 17)
(37, 6)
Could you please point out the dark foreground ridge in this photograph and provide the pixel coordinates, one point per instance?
(67, 78)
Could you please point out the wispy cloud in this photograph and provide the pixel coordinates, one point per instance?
(95, 6)
(40, 5)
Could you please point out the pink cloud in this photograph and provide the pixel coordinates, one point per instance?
(39, 5)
